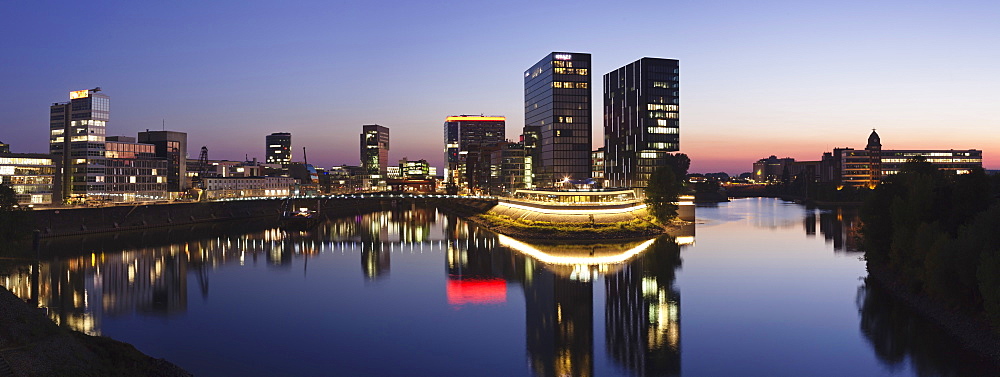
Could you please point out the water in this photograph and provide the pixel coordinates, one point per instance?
(757, 287)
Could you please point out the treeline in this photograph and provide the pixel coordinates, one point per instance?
(940, 233)
(13, 218)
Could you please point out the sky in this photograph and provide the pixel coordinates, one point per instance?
(757, 78)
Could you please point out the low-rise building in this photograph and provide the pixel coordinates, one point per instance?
(244, 187)
(32, 176)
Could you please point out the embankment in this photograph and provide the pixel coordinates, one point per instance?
(33, 345)
(80, 221)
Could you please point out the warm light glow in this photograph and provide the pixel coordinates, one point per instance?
(476, 291)
(588, 260)
(573, 211)
(473, 118)
(79, 94)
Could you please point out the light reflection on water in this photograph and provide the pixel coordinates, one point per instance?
(437, 295)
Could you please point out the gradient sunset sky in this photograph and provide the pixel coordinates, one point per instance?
(791, 78)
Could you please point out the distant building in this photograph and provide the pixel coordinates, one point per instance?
(375, 153)
(172, 146)
(279, 148)
(506, 168)
(242, 187)
(530, 138)
(772, 169)
(557, 100)
(4, 148)
(852, 167)
(463, 131)
(597, 165)
(641, 121)
(418, 169)
(32, 176)
(76, 137)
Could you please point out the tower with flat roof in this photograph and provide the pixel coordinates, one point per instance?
(76, 137)
(641, 120)
(557, 100)
(279, 148)
(465, 132)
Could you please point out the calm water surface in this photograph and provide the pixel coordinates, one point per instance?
(757, 287)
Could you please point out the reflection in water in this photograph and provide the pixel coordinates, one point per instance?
(897, 334)
(642, 320)
(840, 226)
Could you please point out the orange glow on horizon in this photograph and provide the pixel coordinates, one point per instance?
(472, 118)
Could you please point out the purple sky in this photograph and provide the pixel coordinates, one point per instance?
(757, 78)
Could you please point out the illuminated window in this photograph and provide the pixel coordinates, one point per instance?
(660, 84)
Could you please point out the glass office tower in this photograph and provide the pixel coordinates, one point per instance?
(279, 148)
(375, 153)
(76, 137)
(641, 120)
(557, 101)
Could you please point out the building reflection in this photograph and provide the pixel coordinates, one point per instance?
(839, 226)
(642, 310)
(642, 313)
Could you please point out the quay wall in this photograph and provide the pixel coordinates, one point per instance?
(78, 221)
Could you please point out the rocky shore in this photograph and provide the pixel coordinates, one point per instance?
(32, 345)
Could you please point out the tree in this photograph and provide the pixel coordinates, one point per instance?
(661, 193)
(11, 214)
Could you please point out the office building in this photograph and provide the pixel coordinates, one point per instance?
(76, 137)
(279, 148)
(171, 146)
(641, 120)
(132, 172)
(32, 176)
(853, 167)
(557, 100)
(4, 148)
(461, 132)
(529, 137)
(597, 165)
(375, 153)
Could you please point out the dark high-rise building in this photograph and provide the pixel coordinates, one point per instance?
(463, 131)
(641, 120)
(375, 151)
(557, 101)
(529, 137)
(76, 138)
(172, 146)
(279, 148)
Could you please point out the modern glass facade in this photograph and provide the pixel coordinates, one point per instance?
(76, 137)
(279, 148)
(461, 132)
(641, 120)
(32, 176)
(557, 100)
(375, 152)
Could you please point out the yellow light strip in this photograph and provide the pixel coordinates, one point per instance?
(552, 259)
(467, 118)
(572, 211)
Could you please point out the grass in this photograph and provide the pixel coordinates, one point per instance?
(639, 226)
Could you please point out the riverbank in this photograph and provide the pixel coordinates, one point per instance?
(32, 345)
(971, 330)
